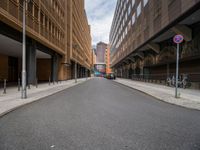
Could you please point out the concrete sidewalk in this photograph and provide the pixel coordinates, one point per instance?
(188, 98)
(12, 99)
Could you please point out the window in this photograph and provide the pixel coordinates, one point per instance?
(124, 7)
(133, 19)
(126, 17)
(139, 9)
(30, 7)
(145, 2)
(129, 10)
(129, 25)
(133, 3)
(36, 11)
(41, 18)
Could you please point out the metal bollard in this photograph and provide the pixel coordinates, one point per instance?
(19, 84)
(29, 87)
(36, 83)
(4, 87)
(49, 80)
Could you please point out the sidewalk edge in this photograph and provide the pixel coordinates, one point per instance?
(158, 98)
(36, 99)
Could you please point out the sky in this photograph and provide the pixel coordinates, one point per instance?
(100, 15)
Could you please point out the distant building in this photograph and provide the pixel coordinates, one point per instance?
(107, 59)
(100, 64)
(100, 52)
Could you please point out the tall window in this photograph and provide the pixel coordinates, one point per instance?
(129, 25)
(126, 17)
(139, 9)
(133, 3)
(145, 2)
(129, 10)
(133, 19)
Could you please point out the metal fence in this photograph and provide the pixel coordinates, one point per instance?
(192, 77)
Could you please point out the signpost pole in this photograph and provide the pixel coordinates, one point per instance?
(177, 71)
(178, 39)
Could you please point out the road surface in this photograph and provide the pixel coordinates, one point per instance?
(100, 115)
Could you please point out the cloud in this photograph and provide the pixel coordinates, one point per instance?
(100, 14)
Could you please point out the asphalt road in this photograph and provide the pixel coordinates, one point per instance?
(100, 115)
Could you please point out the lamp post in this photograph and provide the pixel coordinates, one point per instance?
(24, 91)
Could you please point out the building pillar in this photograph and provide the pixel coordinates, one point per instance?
(121, 72)
(31, 62)
(79, 71)
(54, 67)
(82, 72)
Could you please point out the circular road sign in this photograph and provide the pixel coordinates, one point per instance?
(178, 39)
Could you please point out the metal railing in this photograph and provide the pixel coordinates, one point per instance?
(164, 78)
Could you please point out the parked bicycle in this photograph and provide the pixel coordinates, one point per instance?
(183, 81)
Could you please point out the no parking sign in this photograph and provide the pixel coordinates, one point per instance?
(178, 39)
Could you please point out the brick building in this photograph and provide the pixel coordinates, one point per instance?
(58, 35)
(107, 59)
(141, 39)
(100, 52)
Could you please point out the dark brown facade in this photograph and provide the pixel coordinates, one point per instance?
(141, 39)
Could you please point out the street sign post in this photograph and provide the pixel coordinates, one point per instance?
(178, 39)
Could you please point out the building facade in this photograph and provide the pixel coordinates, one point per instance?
(107, 58)
(142, 44)
(100, 51)
(52, 33)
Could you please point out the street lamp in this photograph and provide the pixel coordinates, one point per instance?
(24, 92)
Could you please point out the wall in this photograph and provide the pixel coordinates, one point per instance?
(43, 69)
(3, 67)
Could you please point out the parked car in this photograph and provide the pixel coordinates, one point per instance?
(111, 76)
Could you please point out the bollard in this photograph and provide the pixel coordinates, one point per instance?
(36, 82)
(29, 87)
(49, 80)
(19, 84)
(4, 87)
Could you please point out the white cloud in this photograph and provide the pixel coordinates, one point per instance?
(100, 14)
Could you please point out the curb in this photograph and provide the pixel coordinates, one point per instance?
(157, 98)
(37, 99)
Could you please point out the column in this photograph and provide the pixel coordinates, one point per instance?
(31, 62)
(54, 67)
